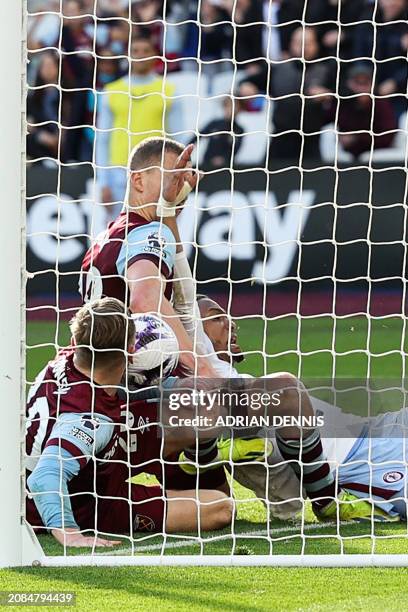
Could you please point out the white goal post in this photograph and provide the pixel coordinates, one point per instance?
(18, 544)
(11, 34)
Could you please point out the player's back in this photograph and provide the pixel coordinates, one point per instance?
(65, 409)
(129, 238)
(61, 389)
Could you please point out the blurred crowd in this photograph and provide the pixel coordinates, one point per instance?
(100, 75)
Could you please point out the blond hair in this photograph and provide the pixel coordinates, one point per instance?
(150, 151)
(102, 331)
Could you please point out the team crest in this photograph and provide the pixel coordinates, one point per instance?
(143, 523)
(391, 477)
(143, 424)
(89, 423)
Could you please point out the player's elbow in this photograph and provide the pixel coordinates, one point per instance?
(45, 478)
(36, 482)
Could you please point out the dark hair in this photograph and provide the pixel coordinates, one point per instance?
(150, 152)
(36, 99)
(102, 331)
(142, 34)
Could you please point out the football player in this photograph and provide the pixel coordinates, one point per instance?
(72, 439)
(134, 259)
(370, 469)
(215, 337)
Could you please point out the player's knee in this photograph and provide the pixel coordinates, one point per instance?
(226, 513)
(291, 391)
(287, 379)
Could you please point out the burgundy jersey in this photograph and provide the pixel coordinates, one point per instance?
(61, 389)
(66, 409)
(140, 440)
(127, 239)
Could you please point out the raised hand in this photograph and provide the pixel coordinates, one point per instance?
(173, 179)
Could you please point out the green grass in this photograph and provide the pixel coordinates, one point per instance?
(362, 348)
(349, 347)
(220, 589)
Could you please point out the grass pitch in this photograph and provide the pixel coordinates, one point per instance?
(348, 347)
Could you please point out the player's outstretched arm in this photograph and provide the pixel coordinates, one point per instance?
(48, 482)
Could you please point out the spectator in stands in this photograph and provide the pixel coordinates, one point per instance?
(42, 28)
(345, 11)
(216, 35)
(386, 38)
(282, 17)
(77, 41)
(245, 37)
(209, 36)
(248, 17)
(107, 70)
(77, 72)
(112, 8)
(223, 136)
(176, 13)
(364, 121)
(147, 16)
(150, 16)
(115, 41)
(43, 107)
(130, 112)
(300, 90)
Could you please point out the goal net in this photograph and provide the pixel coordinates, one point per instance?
(296, 232)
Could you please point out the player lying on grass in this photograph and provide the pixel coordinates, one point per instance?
(330, 497)
(222, 351)
(372, 466)
(73, 424)
(271, 478)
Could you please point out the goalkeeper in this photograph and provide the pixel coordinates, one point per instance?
(353, 478)
(370, 466)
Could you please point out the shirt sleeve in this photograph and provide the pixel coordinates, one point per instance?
(74, 439)
(48, 486)
(82, 435)
(154, 241)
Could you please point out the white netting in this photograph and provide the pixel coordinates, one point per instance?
(298, 113)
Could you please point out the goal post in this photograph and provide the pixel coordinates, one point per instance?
(18, 544)
(11, 308)
(246, 226)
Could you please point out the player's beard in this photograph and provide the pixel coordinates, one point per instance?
(237, 357)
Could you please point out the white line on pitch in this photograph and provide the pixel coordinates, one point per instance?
(216, 539)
